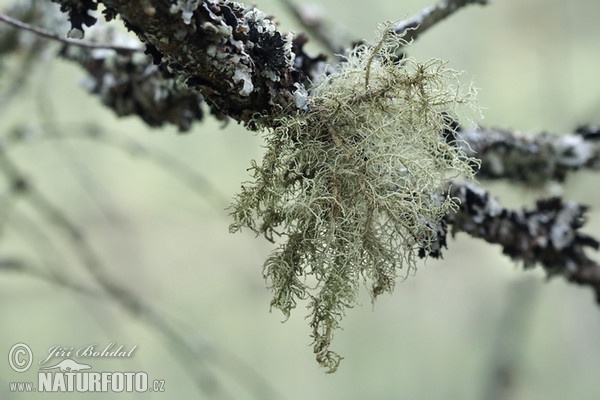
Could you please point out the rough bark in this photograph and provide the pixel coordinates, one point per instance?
(548, 235)
(234, 56)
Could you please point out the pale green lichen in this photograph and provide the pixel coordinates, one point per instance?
(352, 184)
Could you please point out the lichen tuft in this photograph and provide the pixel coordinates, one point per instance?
(352, 184)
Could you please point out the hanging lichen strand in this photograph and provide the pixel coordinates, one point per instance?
(353, 183)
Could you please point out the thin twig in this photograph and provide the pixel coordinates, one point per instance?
(53, 36)
(314, 26)
(430, 16)
(15, 265)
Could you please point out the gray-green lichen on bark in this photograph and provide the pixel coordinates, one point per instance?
(354, 165)
(352, 182)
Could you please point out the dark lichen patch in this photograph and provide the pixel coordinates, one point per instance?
(131, 85)
(79, 13)
(270, 48)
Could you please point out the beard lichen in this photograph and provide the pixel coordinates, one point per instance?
(352, 184)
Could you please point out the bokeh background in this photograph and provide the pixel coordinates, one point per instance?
(471, 326)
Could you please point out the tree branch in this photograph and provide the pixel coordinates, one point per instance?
(413, 27)
(548, 235)
(233, 55)
(314, 24)
(53, 36)
(531, 159)
(130, 84)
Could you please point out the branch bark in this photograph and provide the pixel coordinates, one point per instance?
(130, 84)
(528, 158)
(234, 56)
(548, 235)
(413, 27)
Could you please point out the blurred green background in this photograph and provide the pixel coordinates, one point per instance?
(445, 333)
